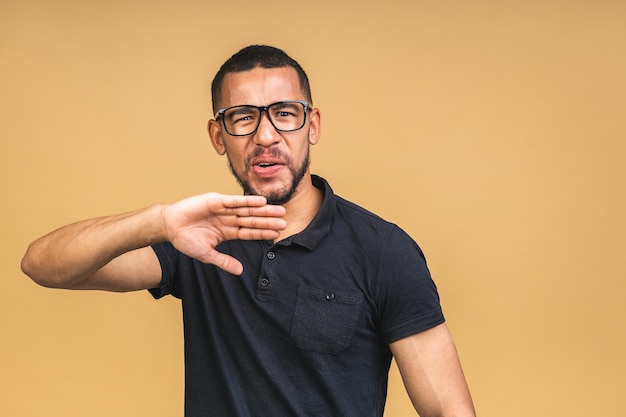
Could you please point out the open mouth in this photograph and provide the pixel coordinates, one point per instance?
(267, 169)
(267, 164)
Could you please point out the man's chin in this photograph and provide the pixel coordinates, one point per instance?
(279, 200)
(274, 196)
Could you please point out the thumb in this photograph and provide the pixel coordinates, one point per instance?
(223, 261)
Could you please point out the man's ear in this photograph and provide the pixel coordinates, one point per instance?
(215, 133)
(315, 126)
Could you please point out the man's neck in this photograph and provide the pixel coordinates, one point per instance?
(302, 208)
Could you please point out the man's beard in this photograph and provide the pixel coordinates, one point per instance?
(280, 196)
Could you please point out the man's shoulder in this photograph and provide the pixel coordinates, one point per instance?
(354, 209)
(364, 221)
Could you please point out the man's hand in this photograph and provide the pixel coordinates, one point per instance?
(196, 225)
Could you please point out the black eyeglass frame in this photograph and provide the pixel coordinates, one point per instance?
(220, 115)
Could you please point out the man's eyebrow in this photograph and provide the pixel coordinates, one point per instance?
(288, 104)
(245, 108)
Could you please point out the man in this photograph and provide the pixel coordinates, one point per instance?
(294, 300)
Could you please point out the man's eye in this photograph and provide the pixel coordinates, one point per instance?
(284, 112)
(242, 119)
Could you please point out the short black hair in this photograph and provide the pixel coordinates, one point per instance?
(258, 56)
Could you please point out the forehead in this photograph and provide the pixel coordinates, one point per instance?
(261, 86)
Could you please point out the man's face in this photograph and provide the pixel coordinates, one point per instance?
(268, 162)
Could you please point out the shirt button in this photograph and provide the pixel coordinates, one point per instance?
(265, 282)
(330, 296)
(271, 255)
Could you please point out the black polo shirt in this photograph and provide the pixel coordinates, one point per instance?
(305, 330)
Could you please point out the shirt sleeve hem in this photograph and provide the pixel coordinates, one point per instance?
(167, 285)
(412, 327)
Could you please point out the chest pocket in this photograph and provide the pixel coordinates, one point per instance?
(325, 320)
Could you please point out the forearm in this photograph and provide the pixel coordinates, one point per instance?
(71, 254)
(432, 374)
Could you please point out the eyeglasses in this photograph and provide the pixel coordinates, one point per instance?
(285, 116)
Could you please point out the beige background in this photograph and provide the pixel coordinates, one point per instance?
(492, 131)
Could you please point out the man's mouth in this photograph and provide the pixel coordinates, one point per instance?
(267, 169)
(267, 163)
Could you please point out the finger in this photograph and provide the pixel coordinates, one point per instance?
(234, 201)
(223, 261)
(265, 211)
(272, 223)
(257, 234)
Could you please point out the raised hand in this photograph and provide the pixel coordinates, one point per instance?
(196, 225)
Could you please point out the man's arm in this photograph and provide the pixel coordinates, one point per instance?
(113, 253)
(432, 374)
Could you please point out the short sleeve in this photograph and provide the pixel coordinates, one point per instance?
(408, 298)
(168, 258)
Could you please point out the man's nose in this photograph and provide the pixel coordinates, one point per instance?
(266, 134)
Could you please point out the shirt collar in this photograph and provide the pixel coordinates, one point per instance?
(319, 227)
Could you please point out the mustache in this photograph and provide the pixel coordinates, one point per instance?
(273, 152)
